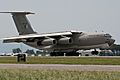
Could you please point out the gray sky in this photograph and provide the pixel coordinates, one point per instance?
(62, 15)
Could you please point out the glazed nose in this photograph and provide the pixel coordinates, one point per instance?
(110, 41)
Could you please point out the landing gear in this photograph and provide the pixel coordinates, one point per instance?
(64, 54)
(94, 52)
(56, 54)
(72, 54)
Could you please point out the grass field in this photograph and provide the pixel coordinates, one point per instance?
(29, 74)
(65, 60)
(47, 74)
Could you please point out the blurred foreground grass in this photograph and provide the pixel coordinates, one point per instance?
(65, 60)
(29, 74)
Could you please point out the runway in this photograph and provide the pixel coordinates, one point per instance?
(62, 67)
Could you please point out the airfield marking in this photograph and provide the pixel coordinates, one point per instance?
(62, 67)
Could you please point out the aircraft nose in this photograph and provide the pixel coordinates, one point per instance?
(110, 41)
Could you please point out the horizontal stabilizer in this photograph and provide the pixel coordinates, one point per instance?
(18, 12)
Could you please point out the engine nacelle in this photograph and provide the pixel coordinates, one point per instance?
(49, 41)
(65, 40)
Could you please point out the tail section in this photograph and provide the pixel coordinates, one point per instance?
(21, 22)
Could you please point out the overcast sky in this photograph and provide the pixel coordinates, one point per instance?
(63, 15)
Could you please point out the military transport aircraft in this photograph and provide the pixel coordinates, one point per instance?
(57, 42)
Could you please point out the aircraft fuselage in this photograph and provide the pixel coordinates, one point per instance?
(80, 40)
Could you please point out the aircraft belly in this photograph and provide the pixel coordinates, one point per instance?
(77, 47)
(52, 47)
(95, 46)
(68, 47)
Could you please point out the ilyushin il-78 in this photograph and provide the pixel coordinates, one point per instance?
(57, 42)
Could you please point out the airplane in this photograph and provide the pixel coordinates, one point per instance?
(57, 42)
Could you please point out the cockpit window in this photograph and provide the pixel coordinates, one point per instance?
(108, 35)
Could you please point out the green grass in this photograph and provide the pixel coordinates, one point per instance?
(65, 60)
(29, 74)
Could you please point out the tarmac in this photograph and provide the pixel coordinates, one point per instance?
(62, 67)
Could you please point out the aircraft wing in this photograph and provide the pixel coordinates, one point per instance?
(30, 37)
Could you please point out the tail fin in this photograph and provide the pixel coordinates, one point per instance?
(21, 22)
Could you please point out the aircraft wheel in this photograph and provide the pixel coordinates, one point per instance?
(94, 52)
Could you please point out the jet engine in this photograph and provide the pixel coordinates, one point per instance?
(65, 40)
(49, 41)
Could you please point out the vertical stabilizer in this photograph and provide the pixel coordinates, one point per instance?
(21, 22)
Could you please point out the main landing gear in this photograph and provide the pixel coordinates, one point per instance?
(94, 52)
(64, 54)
